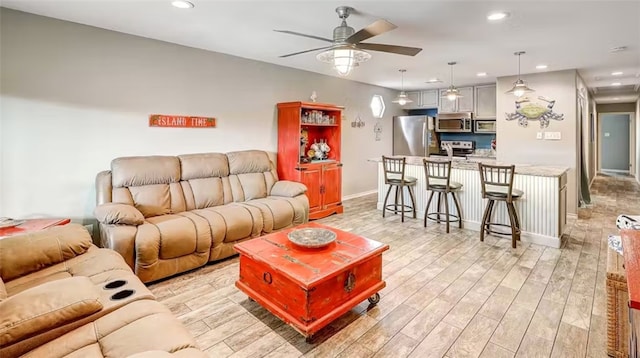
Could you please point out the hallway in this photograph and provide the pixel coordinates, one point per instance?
(446, 295)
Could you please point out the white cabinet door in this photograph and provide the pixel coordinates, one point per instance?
(485, 100)
(429, 99)
(446, 106)
(415, 97)
(465, 103)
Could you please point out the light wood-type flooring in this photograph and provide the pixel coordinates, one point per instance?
(447, 295)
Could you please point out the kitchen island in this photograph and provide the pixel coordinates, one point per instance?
(542, 209)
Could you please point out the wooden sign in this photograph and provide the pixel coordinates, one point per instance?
(162, 120)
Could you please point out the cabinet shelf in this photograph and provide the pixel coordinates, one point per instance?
(318, 125)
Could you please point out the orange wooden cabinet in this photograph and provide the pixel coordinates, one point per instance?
(301, 124)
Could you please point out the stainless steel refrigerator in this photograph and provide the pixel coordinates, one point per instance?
(414, 136)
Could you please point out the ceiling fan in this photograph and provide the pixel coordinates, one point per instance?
(347, 50)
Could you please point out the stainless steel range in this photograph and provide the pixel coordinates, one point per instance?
(460, 148)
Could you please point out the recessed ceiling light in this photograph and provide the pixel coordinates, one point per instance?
(616, 84)
(498, 15)
(542, 67)
(182, 4)
(617, 73)
(434, 80)
(615, 98)
(481, 74)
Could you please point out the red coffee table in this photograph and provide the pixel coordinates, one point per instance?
(309, 288)
(31, 225)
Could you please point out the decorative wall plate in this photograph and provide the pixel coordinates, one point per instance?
(526, 111)
(312, 237)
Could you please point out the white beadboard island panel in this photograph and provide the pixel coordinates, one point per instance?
(542, 208)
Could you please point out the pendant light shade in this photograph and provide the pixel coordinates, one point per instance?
(402, 98)
(452, 93)
(519, 86)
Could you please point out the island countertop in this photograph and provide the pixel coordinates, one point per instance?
(472, 164)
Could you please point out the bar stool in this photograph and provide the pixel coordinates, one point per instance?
(394, 177)
(497, 185)
(438, 175)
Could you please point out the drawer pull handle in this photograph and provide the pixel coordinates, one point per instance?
(301, 168)
(350, 282)
(267, 277)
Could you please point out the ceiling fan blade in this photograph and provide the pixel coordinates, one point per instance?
(379, 27)
(400, 50)
(301, 52)
(304, 35)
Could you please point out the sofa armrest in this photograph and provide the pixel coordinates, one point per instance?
(118, 214)
(47, 306)
(289, 189)
(23, 254)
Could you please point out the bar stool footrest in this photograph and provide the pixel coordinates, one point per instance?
(399, 208)
(455, 219)
(487, 229)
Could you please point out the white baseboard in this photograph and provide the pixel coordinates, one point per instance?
(357, 195)
(572, 216)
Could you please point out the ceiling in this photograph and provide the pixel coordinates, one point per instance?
(561, 34)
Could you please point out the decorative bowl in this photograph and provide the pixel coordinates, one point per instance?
(312, 237)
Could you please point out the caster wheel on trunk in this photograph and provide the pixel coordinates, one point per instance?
(374, 299)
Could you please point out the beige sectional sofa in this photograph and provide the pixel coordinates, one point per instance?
(61, 296)
(170, 214)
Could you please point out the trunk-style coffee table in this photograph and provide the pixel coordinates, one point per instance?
(310, 287)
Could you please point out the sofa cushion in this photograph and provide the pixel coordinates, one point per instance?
(138, 327)
(276, 213)
(118, 214)
(203, 165)
(152, 200)
(22, 254)
(178, 235)
(248, 161)
(204, 193)
(232, 222)
(140, 171)
(47, 306)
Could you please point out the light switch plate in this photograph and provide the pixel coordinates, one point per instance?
(539, 135)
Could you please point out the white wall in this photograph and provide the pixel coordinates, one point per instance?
(74, 97)
(519, 145)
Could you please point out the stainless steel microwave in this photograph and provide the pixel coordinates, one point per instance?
(484, 126)
(454, 122)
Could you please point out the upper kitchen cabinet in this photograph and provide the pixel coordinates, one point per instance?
(422, 99)
(464, 104)
(415, 98)
(485, 102)
(429, 98)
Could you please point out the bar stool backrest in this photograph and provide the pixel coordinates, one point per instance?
(394, 169)
(437, 173)
(497, 179)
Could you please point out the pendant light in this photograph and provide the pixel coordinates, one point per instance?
(519, 86)
(452, 92)
(402, 98)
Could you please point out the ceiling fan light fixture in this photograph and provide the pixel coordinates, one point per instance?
(519, 86)
(344, 58)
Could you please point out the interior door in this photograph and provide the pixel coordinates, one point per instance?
(614, 137)
(332, 185)
(311, 177)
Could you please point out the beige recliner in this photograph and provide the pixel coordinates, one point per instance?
(167, 215)
(61, 296)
